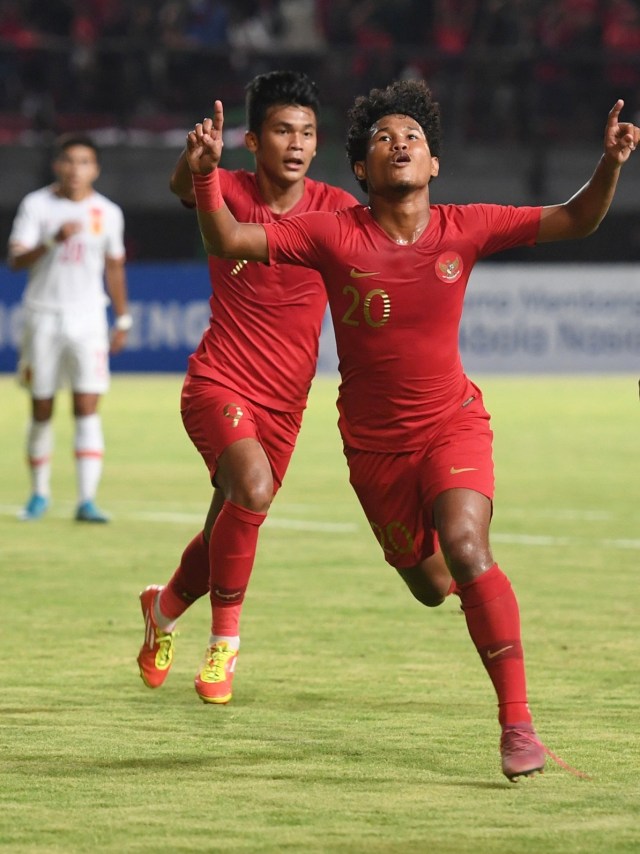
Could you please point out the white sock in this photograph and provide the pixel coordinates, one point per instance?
(39, 450)
(162, 622)
(234, 643)
(89, 451)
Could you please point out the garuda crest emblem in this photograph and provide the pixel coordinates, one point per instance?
(449, 267)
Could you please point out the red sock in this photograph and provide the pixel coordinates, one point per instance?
(232, 551)
(189, 582)
(491, 610)
(453, 590)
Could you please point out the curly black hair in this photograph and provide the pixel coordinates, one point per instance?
(404, 98)
(278, 88)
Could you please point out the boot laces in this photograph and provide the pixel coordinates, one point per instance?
(165, 648)
(217, 657)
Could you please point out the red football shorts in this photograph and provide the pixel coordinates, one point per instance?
(216, 417)
(397, 491)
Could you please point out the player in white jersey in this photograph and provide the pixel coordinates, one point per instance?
(70, 239)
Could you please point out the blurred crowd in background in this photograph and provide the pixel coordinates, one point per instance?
(503, 68)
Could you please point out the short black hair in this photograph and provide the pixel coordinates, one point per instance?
(68, 140)
(404, 98)
(278, 88)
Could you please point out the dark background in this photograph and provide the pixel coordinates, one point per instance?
(525, 87)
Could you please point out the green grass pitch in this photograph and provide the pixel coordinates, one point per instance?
(361, 721)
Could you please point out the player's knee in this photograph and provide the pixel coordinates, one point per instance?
(430, 598)
(466, 550)
(42, 410)
(429, 593)
(255, 495)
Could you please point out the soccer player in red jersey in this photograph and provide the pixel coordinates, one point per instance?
(247, 383)
(416, 434)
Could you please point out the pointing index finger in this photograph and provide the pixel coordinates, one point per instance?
(218, 115)
(615, 112)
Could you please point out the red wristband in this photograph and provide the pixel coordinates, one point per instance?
(207, 191)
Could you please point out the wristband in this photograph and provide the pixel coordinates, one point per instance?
(123, 322)
(207, 190)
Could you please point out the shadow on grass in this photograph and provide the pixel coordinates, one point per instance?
(60, 766)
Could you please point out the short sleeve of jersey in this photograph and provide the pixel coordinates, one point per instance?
(302, 239)
(115, 233)
(26, 227)
(501, 227)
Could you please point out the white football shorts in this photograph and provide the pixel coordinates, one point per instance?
(64, 349)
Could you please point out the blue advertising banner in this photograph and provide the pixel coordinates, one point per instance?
(170, 306)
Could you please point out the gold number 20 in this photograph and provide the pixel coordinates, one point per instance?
(351, 316)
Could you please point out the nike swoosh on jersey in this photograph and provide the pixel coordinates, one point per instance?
(357, 274)
(454, 470)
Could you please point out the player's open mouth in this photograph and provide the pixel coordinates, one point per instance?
(401, 158)
(294, 163)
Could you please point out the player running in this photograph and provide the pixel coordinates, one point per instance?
(416, 433)
(247, 383)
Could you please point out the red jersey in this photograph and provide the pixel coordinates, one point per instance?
(396, 310)
(265, 322)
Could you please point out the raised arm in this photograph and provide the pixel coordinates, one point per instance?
(222, 234)
(181, 183)
(583, 213)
